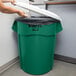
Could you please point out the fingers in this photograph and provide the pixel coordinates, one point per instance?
(21, 13)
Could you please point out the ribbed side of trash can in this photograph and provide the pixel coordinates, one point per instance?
(36, 46)
(38, 59)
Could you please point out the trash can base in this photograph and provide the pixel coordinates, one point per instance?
(31, 73)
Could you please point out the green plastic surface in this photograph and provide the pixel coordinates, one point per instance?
(36, 46)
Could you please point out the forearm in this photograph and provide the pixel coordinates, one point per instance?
(4, 8)
(9, 9)
(5, 1)
(8, 1)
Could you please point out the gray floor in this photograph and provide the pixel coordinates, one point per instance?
(60, 69)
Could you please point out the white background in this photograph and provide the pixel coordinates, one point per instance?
(66, 40)
(8, 42)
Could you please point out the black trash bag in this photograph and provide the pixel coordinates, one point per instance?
(37, 20)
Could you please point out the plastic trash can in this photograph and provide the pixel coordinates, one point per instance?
(36, 39)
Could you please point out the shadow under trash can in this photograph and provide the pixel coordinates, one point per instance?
(36, 38)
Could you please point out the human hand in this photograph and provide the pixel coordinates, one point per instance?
(10, 10)
(21, 13)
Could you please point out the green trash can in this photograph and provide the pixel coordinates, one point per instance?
(36, 39)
